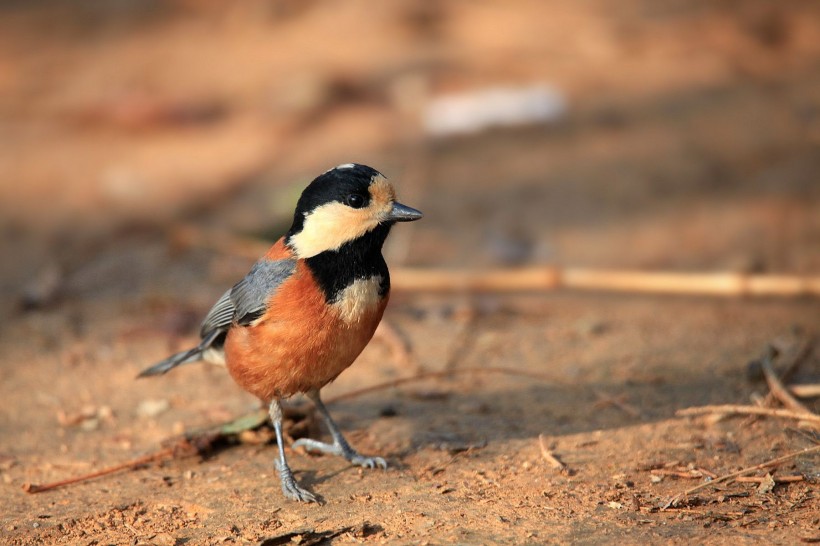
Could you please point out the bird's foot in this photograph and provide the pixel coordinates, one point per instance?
(342, 451)
(367, 462)
(291, 489)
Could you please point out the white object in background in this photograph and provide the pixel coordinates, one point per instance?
(475, 111)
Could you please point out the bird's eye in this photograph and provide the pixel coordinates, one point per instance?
(354, 200)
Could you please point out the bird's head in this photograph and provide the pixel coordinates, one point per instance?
(343, 205)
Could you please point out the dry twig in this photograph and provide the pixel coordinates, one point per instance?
(778, 390)
(551, 278)
(777, 479)
(467, 317)
(183, 447)
(686, 474)
(805, 391)
(733, 409)
(549, 456)
(129, 465)
(796, 356)
(399, 346)
(617, 402)
(774, 462)
(681, 473)
(435, 375)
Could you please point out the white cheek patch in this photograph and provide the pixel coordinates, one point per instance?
(358, 299)
(330, 226)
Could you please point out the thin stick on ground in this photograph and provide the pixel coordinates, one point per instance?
(128, 465)
(811, 436)
(617, 402)
(463, 339)
(777, 479)
(792, 362)
(549, 456)
(778, 390)
(515, 372)
(732, 409)
(686, 474)
(183, 447)
(774, 462)
(805, 390)
(543, 278)
(399, 346)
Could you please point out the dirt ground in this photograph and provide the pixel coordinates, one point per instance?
(691, 143)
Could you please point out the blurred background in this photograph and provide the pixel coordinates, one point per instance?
(656, 134)
(147, 149)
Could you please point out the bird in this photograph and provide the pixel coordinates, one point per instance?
(308, 307)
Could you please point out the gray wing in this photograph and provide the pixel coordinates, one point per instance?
(250, 295)
(219, 317)
(248, 298)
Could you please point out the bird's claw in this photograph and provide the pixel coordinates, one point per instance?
(290, 488)
(296, 493)
(368, 462)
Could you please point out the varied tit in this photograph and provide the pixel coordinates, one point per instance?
(309, 306)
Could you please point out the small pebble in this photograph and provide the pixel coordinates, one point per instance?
(90, 424)
(152, 408)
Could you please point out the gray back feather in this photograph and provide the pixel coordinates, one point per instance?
(247, 300)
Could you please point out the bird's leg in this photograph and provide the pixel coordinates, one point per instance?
(289, 487)
(339, 445)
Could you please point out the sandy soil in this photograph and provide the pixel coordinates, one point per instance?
(691, 144)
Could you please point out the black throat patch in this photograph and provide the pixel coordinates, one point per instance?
(361, 258)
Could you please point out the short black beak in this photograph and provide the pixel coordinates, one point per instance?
(403, 213)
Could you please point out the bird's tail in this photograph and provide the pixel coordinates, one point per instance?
(185, 357)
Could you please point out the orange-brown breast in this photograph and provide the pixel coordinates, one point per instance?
(301, 343)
